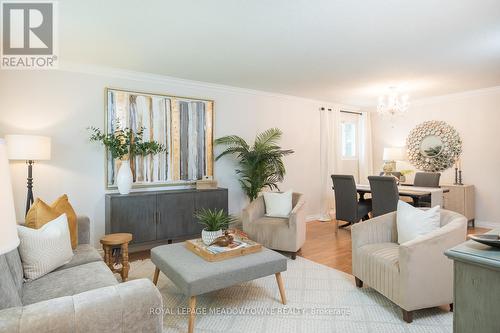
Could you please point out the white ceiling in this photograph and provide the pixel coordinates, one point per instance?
(344, 51)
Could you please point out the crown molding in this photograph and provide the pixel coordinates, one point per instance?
(456, 96)
(442, 98)
(164, 79)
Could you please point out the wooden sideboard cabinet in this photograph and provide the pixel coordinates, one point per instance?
(476, 287)
(158, 217)
(461, 199)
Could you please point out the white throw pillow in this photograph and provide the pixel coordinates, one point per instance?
(45, 249)
(278, 204)
(413, 222)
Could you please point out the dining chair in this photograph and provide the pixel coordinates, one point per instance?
(347, 206)
(426, 179)
(385, 194)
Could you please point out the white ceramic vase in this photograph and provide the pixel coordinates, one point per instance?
(209, 236)
(124, 178)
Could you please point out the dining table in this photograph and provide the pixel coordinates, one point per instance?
(416, 193)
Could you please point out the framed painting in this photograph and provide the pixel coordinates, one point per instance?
(183, 125)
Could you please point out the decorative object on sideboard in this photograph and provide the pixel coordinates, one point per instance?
(433, 146)
(124, 178)
(9, 239)
(214, 222)
(206, 183)
(391, 156)
(29, 148)
(405, 173)
(183, 125)
(458, 172)
(123, 144)
(261, 165)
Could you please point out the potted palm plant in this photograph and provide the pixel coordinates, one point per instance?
(214, 222)
(261, 165)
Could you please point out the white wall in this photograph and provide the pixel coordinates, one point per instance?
(61, 104)
(476, 116)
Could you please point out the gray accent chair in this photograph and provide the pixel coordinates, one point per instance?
(282, 234)
(347, 206)
(415, 274)
(385, 194)
(426, 179)
(81, 296)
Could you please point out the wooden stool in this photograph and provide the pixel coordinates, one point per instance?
(112, 241)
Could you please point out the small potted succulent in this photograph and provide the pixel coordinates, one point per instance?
(214, 222)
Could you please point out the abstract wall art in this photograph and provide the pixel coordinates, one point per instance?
(183, 125)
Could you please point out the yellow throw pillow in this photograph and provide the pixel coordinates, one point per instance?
(41, 213)
(62, 205)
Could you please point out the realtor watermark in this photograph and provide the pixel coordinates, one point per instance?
(253, 311)
(29, 35)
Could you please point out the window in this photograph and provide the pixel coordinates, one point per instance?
(348, 140)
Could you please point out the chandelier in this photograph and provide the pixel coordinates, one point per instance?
(392, 104)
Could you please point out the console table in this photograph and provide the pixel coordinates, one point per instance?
(460, 199)
(159, 217)
(476, 287)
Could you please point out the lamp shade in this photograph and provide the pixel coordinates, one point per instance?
(28, 147)
(394, 154)
(8, 229)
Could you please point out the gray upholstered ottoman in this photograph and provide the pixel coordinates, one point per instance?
(195, 276)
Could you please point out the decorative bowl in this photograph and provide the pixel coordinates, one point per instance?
(487, 239)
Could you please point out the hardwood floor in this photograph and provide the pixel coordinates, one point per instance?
(334, 250)
(322, 245)
(325, 247)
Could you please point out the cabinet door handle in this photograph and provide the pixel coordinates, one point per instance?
(158, 219)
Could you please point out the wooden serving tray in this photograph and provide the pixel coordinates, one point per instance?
(199, 248)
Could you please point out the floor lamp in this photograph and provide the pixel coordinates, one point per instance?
(29, 148)
(8, 229)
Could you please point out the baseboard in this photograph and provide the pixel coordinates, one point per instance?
(311, 218)
(487, 224)
(315, 217)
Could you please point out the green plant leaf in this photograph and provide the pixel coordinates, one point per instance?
(260, 166)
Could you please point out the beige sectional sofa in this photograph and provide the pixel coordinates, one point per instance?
(81, 296)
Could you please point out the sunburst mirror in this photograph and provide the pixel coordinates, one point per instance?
(433, 146)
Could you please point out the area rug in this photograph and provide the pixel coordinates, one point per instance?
(320, 299)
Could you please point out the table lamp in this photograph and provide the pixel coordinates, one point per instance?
(391, 155)
(8, 229)
(29, 148)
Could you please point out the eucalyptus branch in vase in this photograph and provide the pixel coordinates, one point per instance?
(124, 144)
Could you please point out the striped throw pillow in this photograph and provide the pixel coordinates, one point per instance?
(45, 249)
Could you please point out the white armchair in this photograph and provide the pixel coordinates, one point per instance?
(282, 234)
(414, 275)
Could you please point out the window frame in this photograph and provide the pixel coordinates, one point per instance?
(354, 137)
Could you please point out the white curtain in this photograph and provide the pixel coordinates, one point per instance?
(365, 148)
(329, 144)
